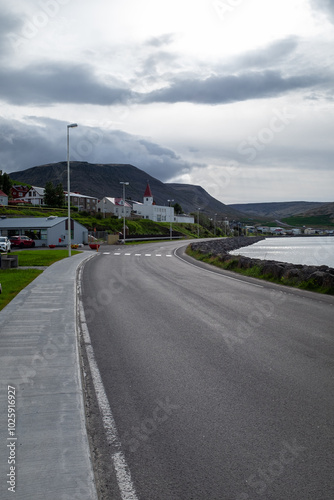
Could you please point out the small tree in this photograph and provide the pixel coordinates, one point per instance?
(177, 209)
(5, 183)
(59, 194)
(50, 195)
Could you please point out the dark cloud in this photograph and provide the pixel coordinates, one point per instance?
(232, 88)
(49, 83)
(39, 141)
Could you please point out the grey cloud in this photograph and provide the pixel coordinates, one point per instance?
(40, 140)
(9, 23)
(326, 6)
(232, 88)
(58, 82)
(267, 57)
(158, 41)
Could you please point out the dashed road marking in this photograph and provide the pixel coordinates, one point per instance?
(127, 254)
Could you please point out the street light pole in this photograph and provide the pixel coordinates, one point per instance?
(124, 184)
(214, 224)
(198, 223)
(170, 227)
(73, 125)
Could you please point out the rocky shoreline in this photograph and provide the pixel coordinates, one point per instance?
(295, 274)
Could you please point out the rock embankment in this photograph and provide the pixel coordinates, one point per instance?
(296, 274)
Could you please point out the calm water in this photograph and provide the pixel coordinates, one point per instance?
(311, 251)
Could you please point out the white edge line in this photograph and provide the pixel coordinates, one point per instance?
(214, 272)
(121, 467)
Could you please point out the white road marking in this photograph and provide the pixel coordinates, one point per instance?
(117, 253)
(127, 254)
(148, 255)
(137, 254)
(121, 467)
(106, 253)
(168, 255)
(158, 254)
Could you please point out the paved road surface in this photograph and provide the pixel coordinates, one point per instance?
(217, 388)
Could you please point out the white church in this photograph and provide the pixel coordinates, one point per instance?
(149, 210)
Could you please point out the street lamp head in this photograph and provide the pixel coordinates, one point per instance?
(125, 183)
(72, 125)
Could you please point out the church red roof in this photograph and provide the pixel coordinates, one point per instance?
(148, 192)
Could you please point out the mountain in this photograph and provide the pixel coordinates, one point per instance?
(324, 209)
(277, 210)
(101, 180)
(197, 197)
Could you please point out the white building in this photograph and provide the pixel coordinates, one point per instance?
(189, 219)
(35, 195)
(44, 231)
(114, 206)
(148, 209)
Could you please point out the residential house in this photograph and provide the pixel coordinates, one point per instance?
(3, 198)
(35, 195)
(83, 202)
(18, 192)
(114, 206)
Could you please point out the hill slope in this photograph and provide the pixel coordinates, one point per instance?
(276, 210)
(101, 180)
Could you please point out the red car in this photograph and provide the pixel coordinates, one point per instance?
(21, 241)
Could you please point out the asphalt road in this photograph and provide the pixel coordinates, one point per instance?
(219, 387)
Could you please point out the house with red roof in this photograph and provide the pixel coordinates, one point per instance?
(149, 210)
(3, 198)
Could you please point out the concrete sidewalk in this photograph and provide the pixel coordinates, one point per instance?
(47, 444)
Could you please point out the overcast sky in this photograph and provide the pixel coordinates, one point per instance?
(233, 95)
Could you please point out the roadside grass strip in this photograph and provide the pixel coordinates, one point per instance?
(41, 257)
(13, 281)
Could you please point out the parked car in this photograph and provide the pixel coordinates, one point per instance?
(22, 241)
(5, 244)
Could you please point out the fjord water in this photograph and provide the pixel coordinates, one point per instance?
(307, 250)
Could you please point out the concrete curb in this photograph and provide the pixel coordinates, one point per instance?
(39, 359)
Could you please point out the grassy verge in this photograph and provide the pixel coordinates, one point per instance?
(41, 257)
(256, 272)
(13, 281)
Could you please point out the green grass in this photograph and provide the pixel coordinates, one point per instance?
(41, 257)
(312, 221)
(255, 272)
(13, 281)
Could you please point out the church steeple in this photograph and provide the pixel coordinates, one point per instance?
(148, 196)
